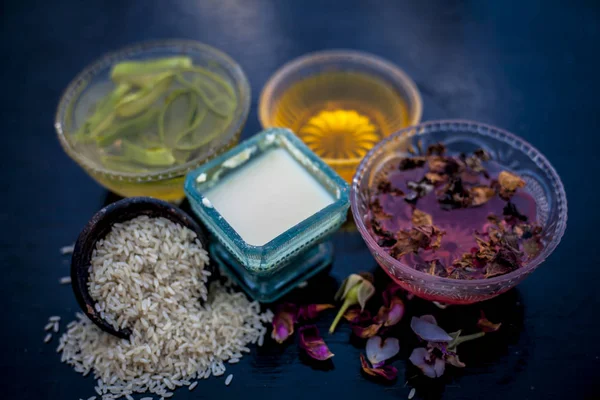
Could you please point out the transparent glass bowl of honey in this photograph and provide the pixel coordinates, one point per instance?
(340, 103)
(135, 147)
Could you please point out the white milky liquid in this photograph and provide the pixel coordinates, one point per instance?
(268, 196)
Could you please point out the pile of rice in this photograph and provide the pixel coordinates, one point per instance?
(148, 275)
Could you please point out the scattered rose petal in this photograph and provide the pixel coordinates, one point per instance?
(391, 314)
(379, 350)
(486, 325)
(429, 331)
(386, 372)
(312, 342)
(453, 360)
(365, 332)
(283, 322)
(356, 316)
(310, 311)
(430, 365)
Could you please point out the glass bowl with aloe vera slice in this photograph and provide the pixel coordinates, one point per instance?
(137, 120)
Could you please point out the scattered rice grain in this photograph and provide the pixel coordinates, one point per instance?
(147, 274)
(193, 386)
(228, 380)
(48, 338)
(67, 249)
(65, 280)
(412, 393)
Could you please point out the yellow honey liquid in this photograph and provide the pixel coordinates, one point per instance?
(341, 115)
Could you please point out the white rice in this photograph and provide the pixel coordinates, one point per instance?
(65, 280)
(193, 385)
(148, 275)
(67, 249)
(54, 318)
(49, 326)
(228, 380)
(48, 338)
(411, 394)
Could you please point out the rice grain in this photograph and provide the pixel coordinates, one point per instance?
(148, 275)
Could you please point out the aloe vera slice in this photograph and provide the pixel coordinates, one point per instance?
(209, 103)
(121, 164)
(136, 102)
(128, 128)
(103, 115)
(153, 157)
(132, 71)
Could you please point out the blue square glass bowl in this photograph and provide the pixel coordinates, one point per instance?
(267, 272)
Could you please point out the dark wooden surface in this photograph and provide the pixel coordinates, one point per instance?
(528, 66)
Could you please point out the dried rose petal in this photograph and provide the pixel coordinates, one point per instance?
(379, 350)
(386, 372)
(481, 195)
(486, 325)
(365, 332)
(391, 314)
(510, 181)
(421, 218)
(453, 360)
(283, 322)
(532, 246)
(429, 331)
(428, 363)
(312, 342)
(310, 311)
(355, 315)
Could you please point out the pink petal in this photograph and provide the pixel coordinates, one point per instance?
(379, 350)
(312, 342)
(386, 372)
(429, 331)
(283, 322)
(430, 365)
(391, 314)
(310, 311)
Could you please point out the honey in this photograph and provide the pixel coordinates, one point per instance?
(341, 115)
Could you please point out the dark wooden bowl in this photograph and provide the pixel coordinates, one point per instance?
(99, 226)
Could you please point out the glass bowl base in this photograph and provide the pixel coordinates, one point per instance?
(266, 287)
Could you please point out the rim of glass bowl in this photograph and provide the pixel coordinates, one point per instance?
(479, 129)
(388, 71)
(80, 82)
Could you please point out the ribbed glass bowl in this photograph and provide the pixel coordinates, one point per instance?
(508, 150)
(167, 183)
(340, 103)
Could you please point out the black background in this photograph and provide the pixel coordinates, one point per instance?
(530, 67)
